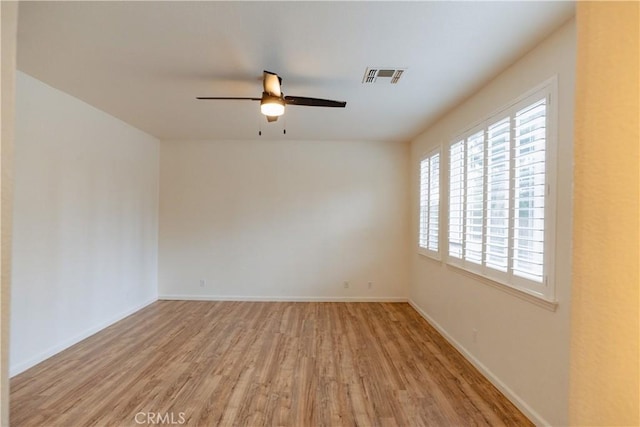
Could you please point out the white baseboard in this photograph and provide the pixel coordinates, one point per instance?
(523, 406)
(279, 298)
(23, 366)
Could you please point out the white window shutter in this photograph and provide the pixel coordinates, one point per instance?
(500, 214)
(474, 200)
(456, 199)
(434, 202)
(429, 235)
(497, 195)
(423, 237)
(529, 152)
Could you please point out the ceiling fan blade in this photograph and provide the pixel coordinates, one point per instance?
(227, 98)
(272, 118)
(313, 102)
(271, 83)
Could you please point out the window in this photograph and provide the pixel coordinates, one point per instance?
(500, 178)
(428, 236)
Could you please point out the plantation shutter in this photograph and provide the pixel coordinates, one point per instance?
(474, 208)
(497, 212)
(501, 224)
(429, 236)
(434, 202)
(423, 237)
(456, 199)
(529, 191)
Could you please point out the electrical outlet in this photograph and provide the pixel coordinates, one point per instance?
(346, 285)
(202, 283)
(475, 335)
(370, 285)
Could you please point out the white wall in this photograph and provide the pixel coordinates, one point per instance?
(284, 219)
(522, 347)
(85, 222)
(8, 37)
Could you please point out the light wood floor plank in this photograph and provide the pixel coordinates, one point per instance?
(262, 364)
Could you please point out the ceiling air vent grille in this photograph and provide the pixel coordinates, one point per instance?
(396, 76)
(370, 76)
(382, 75)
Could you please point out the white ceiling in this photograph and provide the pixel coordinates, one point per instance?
(145, 62)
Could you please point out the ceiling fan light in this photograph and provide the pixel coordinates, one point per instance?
(272, 105)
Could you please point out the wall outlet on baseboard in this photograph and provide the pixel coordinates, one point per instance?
(202, 283)
(475, 335)
(346, 285)
(369, 285)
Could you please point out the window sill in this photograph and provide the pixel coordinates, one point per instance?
(430, 255)
(520, 293)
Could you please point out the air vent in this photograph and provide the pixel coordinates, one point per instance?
(382, 75)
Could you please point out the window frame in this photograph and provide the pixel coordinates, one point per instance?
(545, 290)
(425, 251)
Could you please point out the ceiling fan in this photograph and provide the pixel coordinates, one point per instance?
(273, 100)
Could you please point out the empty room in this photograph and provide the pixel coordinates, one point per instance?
(319, 213)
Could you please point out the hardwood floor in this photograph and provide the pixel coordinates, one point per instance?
(254, 364)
